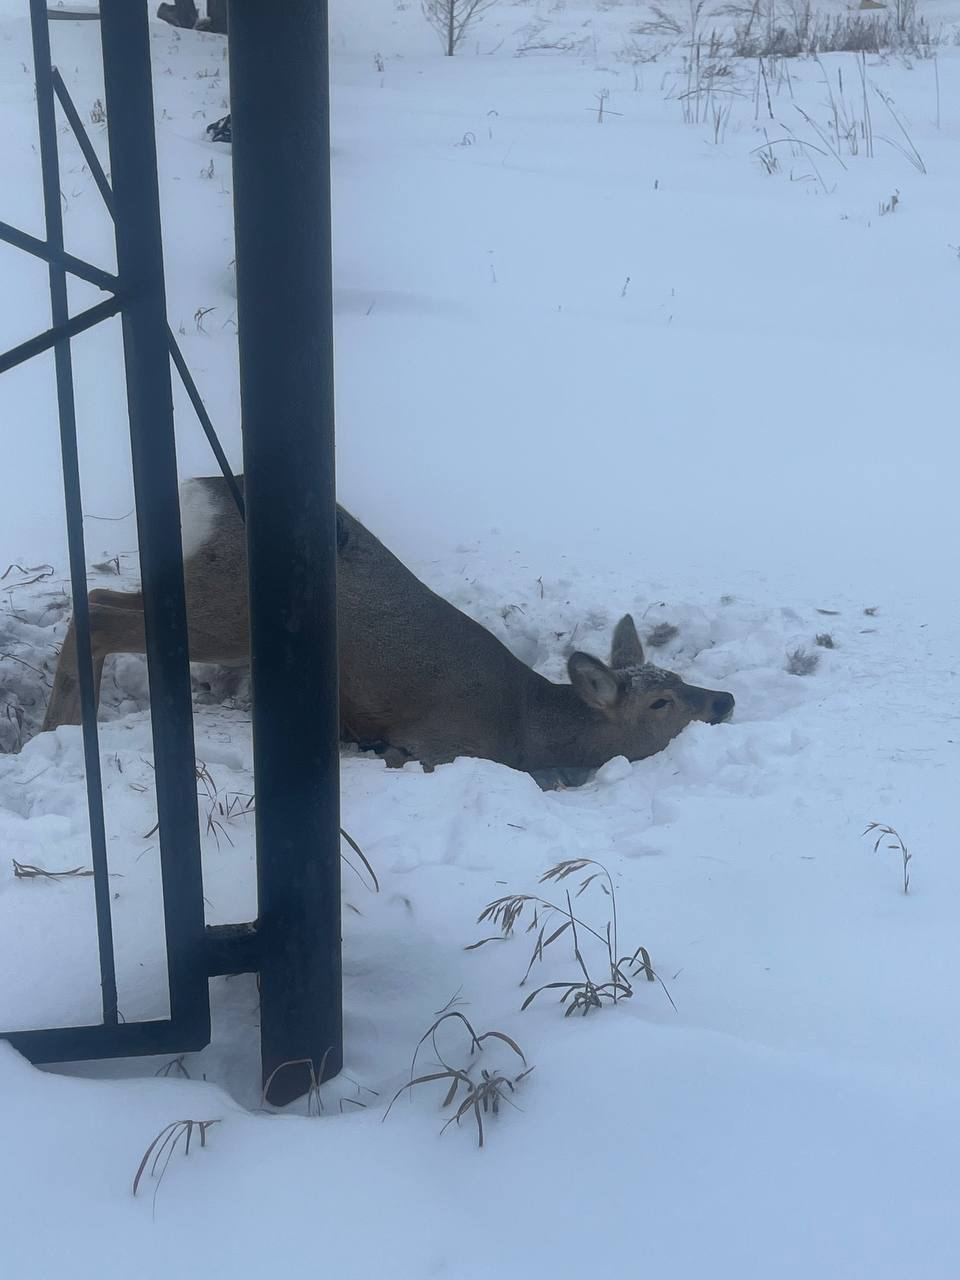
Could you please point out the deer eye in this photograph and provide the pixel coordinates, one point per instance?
(660, 704)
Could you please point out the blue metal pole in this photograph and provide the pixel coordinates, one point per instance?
(50, 172)
(128, 89)
(279, 97)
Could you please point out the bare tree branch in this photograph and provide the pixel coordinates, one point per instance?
(451, 18)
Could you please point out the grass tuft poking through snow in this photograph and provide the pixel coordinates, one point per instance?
(884, 832)
(801, 662)
(583, 994)
(161, 1150)
(484, 1090)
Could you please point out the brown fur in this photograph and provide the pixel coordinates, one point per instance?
(418, 678)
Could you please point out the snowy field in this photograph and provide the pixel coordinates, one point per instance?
(695, 360)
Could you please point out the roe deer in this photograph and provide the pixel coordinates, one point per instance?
(419, 680)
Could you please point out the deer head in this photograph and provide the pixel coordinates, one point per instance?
(643, 706)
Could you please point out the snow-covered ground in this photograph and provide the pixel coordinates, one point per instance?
(584, 367)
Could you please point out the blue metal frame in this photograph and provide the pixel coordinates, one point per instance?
(138, 295)
(281, 182)
(279, 97)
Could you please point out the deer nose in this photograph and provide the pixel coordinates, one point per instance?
(721, 707)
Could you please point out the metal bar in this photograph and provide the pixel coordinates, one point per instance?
(57, 258)
(103, 185)
(232, 948)
(73, 15)
(83, 139)
(50, 172)
(121, 1040)
(128, 91)
(209, 431)
(279, 103)
(44, 341)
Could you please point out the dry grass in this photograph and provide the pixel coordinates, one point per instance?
(661, 635)
(27, 871)
(13, 714)
(12, 657)
(315, 1074)
(473, 1088)
(219, 809)
(316, 1078)
(553, 922)
(883, 832)
(36, 573)
(800, 662)
(798, 30)
(161, 1150)
(768, 157)
(174, 1067)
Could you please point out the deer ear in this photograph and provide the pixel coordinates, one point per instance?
(627, 650)
(595, 683)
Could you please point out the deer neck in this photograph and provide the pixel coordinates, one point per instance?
(559, 729)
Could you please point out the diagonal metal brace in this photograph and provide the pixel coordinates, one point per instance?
(58, 258)
(83, 140)
(103, 186)
(78, 324)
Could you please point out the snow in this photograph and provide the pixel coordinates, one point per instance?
(583, 369)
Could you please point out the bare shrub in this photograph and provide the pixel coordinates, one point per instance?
(452, 18)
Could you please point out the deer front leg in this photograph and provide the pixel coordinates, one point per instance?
(116, 626)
